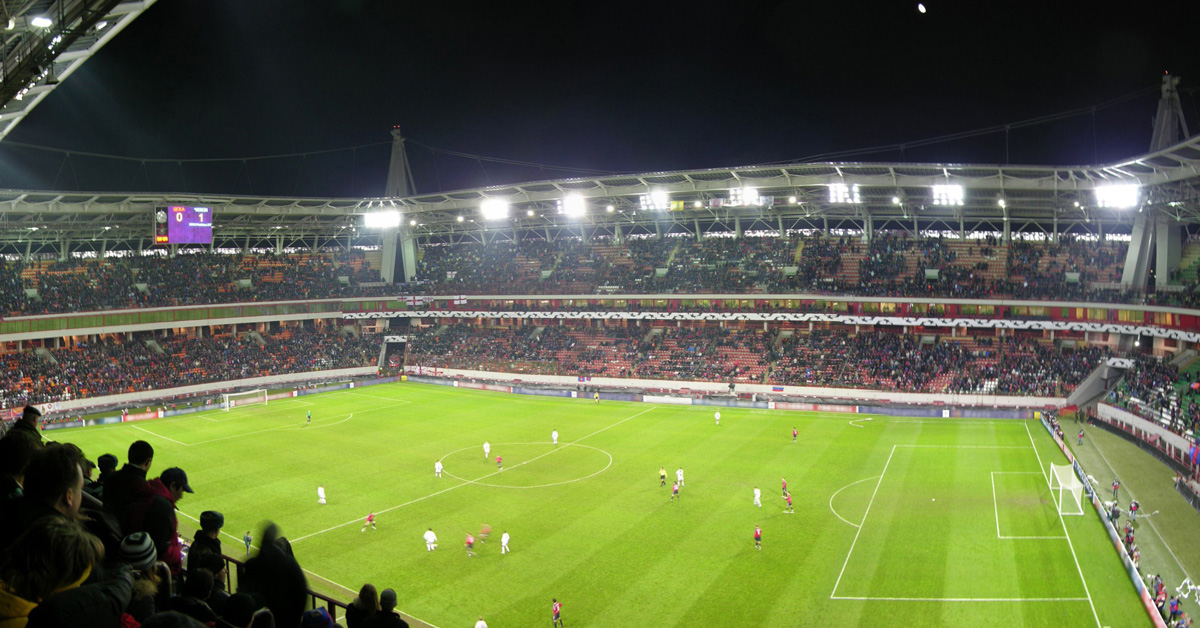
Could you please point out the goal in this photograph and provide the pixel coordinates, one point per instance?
(250, 397)
(1066, 489)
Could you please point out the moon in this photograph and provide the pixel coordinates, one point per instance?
(921, 7)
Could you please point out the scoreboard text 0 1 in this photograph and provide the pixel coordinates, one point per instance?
(179, 224)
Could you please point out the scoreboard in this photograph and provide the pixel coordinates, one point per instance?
(179, 224)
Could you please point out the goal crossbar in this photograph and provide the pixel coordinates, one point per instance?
(246, 398)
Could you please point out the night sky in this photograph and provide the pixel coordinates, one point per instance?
(602, 87)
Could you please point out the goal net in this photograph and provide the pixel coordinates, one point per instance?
(250, 397)
(1066, 489)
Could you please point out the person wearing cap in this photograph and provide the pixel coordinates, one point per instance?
(387, 617)
(28, 424)
(156, 516)
(207, 539)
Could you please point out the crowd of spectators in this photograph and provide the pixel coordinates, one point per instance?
(1154, 388)
(1024, 366)
(891, 265)
(195, 278)
(834, 358)
(106, 552)
(115, 365)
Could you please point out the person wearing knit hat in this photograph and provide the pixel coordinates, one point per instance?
(316, 618)
(387, 616)
(137, 550)
(207, 539)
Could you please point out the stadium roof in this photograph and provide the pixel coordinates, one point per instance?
(45, 41)
(888, 195)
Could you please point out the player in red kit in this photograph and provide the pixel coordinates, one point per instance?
(758, 538)
(790, 509)
(556, 611)
(794, 434)
(784, 487)
(674, 492)
(369, 522)
(499, 463)
(469, 543)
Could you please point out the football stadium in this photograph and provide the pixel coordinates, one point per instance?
(813, 393)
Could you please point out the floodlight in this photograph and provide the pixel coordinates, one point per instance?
(494, 208)
(412, 223)
(41, 22)
(529, 212)
(1118, 196)
(101, 25)
(573, 205)
(656, 199)
(791, 200)
(895, 200)
(744, 197)
(948, 195)
(842, 193)
(1002, 203)
(697, 204)
(610, 209)
(381, 220)
(460, 219)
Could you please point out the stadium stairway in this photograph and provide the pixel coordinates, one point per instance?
(1189, 261)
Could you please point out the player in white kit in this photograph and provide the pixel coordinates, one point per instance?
(679, 476)
(757, 497)
(487, 450)
(554, 437)
(504, 543)
(430, 540)
(437, 469)
(320, 494)
(717, 416)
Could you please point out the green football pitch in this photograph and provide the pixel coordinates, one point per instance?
(898, 521)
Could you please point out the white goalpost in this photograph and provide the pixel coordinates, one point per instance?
(1066, 489)
(249, 397)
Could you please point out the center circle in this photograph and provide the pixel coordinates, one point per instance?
(543, 457)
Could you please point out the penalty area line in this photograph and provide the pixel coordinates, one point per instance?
(138, 427)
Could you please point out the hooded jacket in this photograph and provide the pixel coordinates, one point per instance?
(155, 515)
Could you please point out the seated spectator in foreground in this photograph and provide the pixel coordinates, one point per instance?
(220, 571)
(207, 539)
(53, 489)
(361, 612)
(42, 576)
(16, 450)
(193, 599)
(137, 551)
(388, 617)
